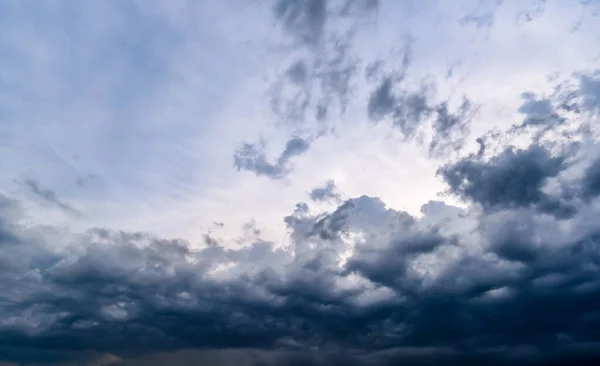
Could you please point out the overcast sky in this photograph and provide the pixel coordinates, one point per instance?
(299, 182)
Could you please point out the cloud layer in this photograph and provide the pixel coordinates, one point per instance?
(503, 268)
(513, 282)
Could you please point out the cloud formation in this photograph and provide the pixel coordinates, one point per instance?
(362, 277)
(326, 192)
(252, 157)
(415, 111)
(509, 284)
(321, 66)
(48, 197)
(510, 179)
(508, 275)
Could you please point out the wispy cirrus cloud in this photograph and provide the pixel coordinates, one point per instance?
(49, 197)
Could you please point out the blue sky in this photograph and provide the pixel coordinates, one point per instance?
(144, 105)
(217, 122)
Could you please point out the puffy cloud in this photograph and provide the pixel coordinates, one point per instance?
(514, 178)
(509, 279)
(453, 285)
(514, 283)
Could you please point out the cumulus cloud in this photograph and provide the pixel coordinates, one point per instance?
(510, 277)
(510, 284)
(362, 277)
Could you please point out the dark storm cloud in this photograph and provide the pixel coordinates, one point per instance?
(48, 197)
(520, 289)
(514, 178)
(520, 178)
(362, 284)
(388, 265)
(331, 226)
(325, 192)
(591, 180)
(252, 157)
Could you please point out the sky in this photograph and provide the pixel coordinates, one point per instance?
(299, 182)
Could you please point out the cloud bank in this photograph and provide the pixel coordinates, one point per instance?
(513, 282)
(503, 268)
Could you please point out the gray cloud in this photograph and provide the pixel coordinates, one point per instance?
(451, 128)
(362, 284)
(579, 95)
(304, 19)
(485, 296)
(319, 81)
(591, 180)
(514, 178)
(49, 197)
(507, 285)
(408, 110)
(532, 177)
(316, 85)
(252, 157)
(538, 111)
(325, 192)
(415, 111)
